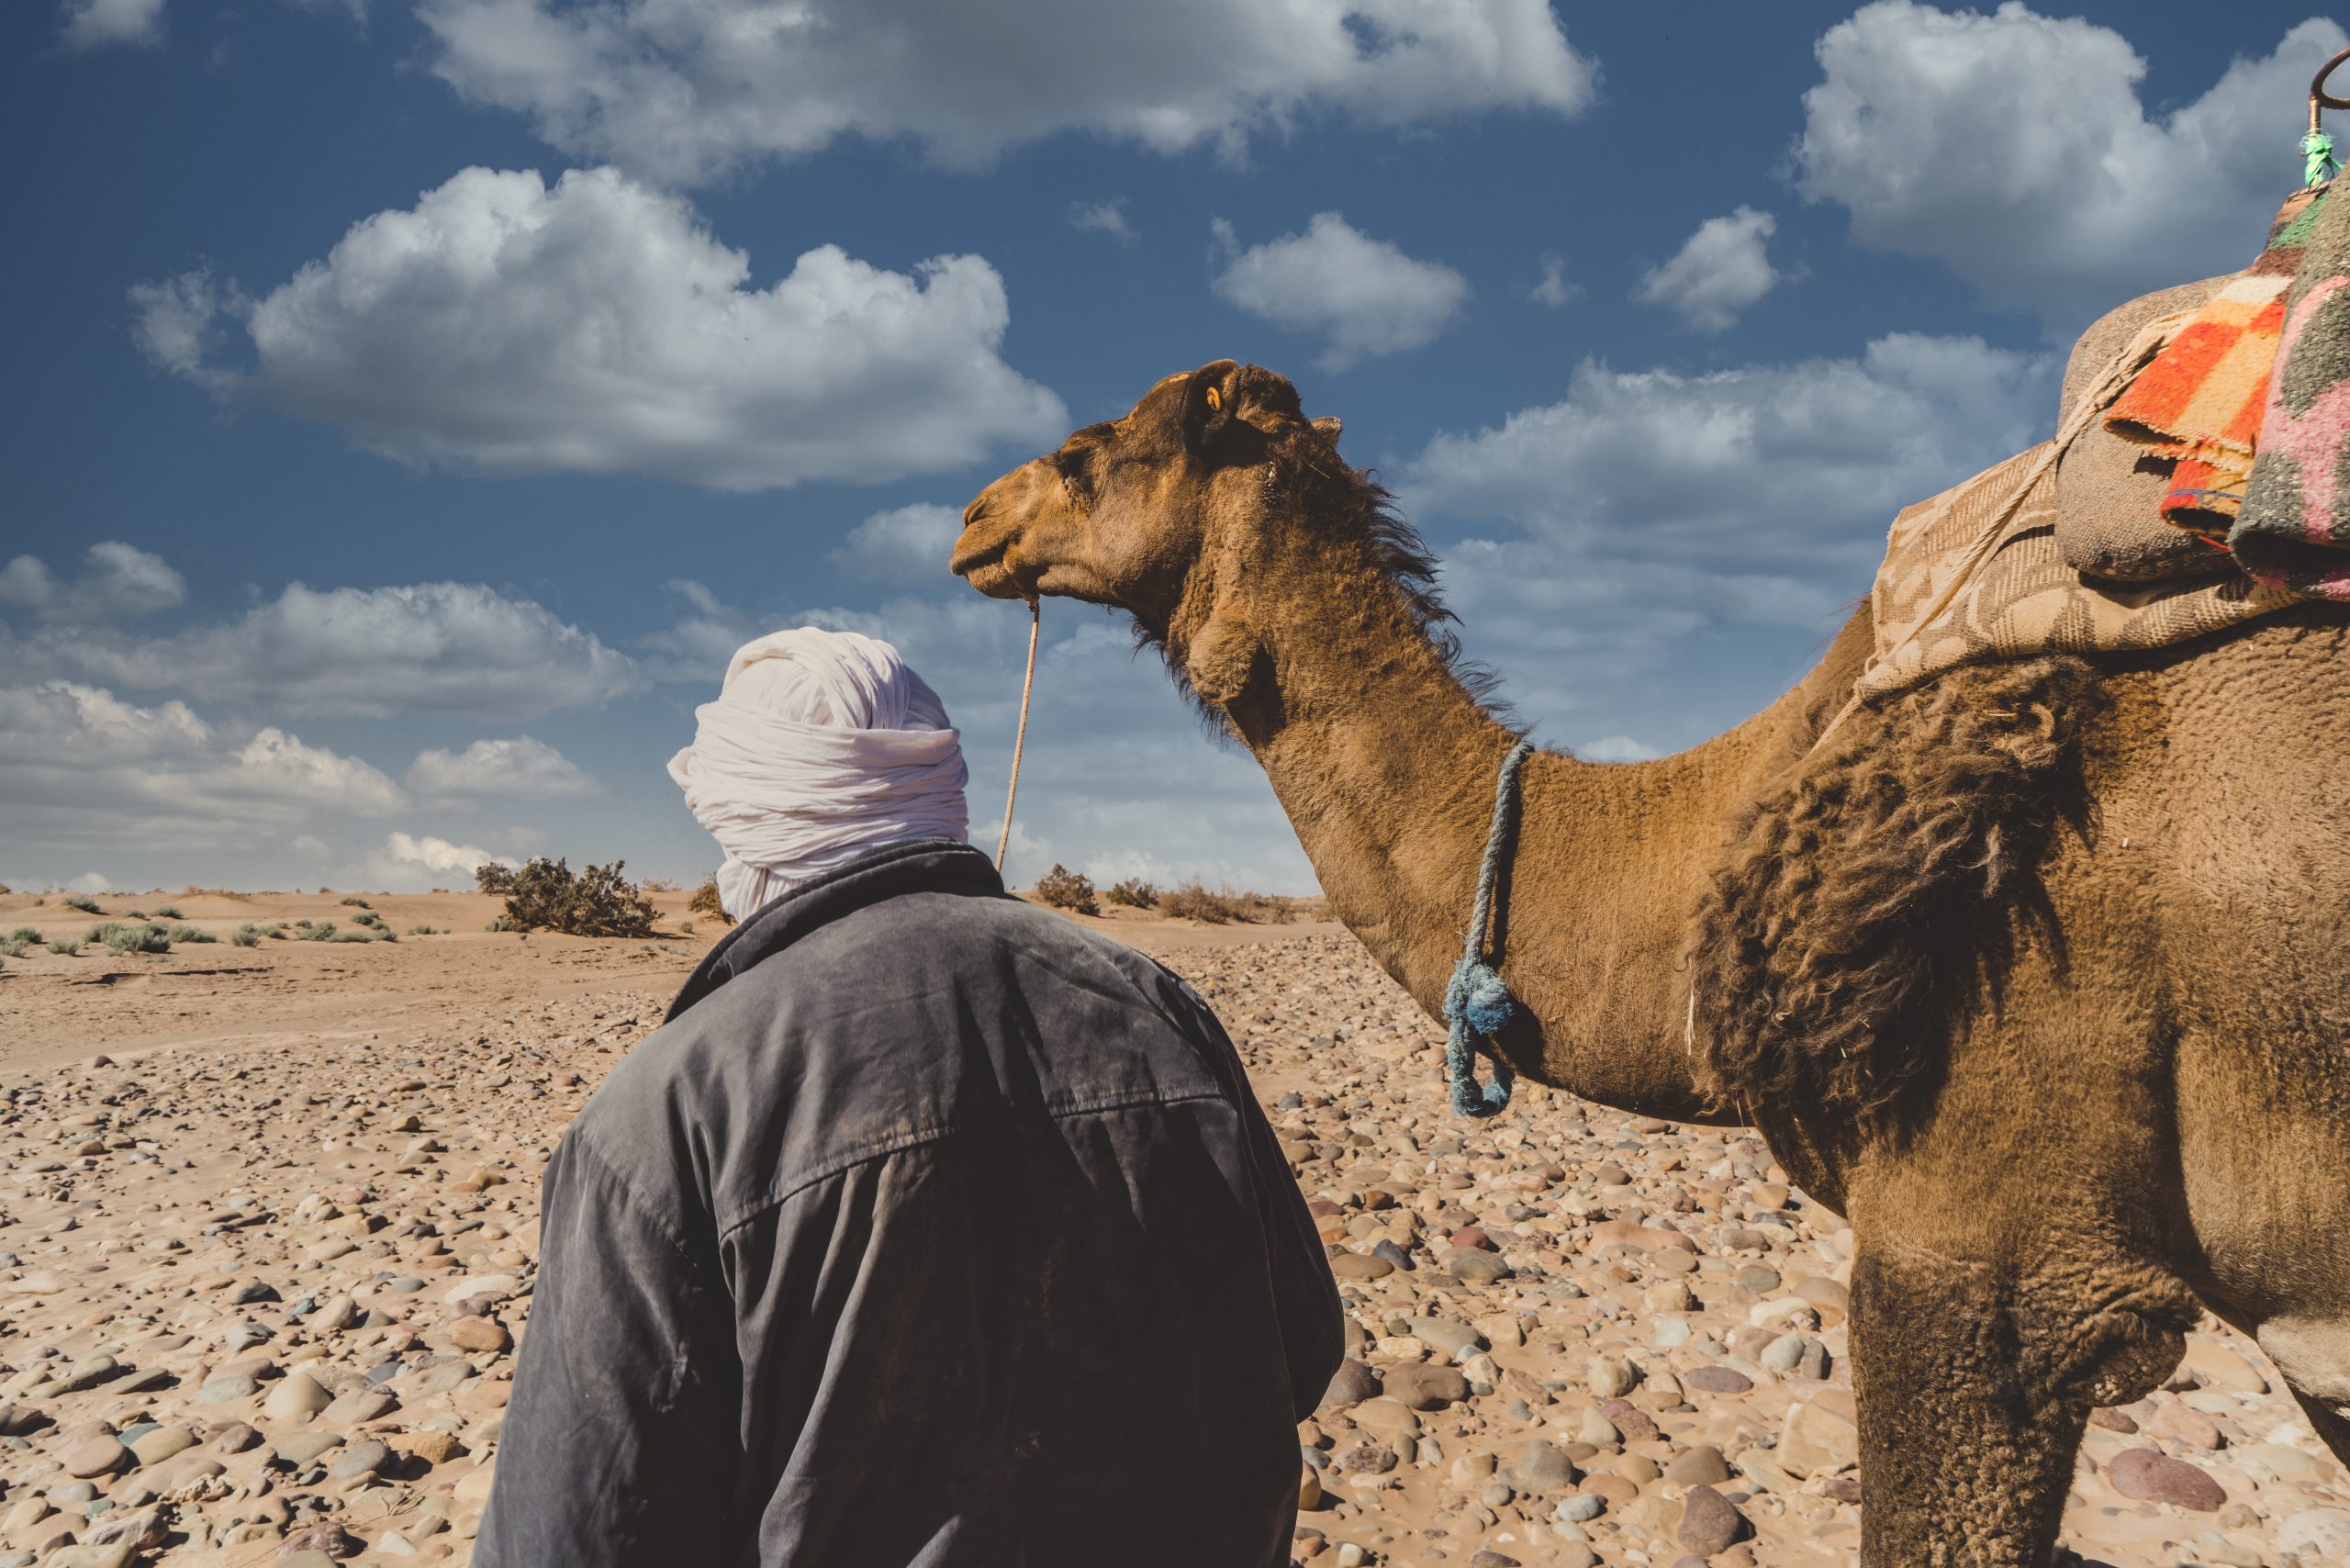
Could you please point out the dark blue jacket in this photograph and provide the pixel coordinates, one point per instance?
(930, 1229)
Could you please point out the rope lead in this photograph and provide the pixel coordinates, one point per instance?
(1477, 1004)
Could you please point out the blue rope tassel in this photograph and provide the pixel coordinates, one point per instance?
(1477, 1005)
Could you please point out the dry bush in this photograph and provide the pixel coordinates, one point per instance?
(1065, 889)
(595, 901)
(84, 902)
(705, 901)
(1135, 893)
(659, 884)
(1193, 901)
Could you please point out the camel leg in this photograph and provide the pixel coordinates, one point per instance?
(1963, 1465)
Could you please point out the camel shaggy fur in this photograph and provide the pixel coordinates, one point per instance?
(2040, 974)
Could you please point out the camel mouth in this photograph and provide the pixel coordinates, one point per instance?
(980, 562)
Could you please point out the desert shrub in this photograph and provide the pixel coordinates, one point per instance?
(367, 917)
(168, 912)
(117, 937)
(19, 941)
(659, 884)
(594, 901)
(84, 902)
(1065, 889)
(705, 901)
(357, 903)
(190, 933)
(501, 924)
(246, 936)
(421, 931)
(364, 933)
(687, 926)
(494, 877)
(1135, 893)
(313, 931)
(64, 946)
(1194, 901)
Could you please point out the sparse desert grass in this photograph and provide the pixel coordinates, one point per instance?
(501, 924)
(705, 901)
(356, 902)
(1065, 889)
(246, 936)
(19, 941)
(189, 934)
(312, 930)
(168, 912)
(63, 946)
(1135, 893)
(84, 902)
(1195, 900)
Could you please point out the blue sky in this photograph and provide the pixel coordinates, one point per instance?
(415, 400)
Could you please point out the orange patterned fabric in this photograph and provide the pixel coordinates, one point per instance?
(2200, 402)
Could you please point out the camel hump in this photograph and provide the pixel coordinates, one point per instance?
(2111, 332)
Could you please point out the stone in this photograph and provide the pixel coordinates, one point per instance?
(1472, 1267)
(1633, 1423)
(139, 1527)
(1538, 1466)
(101, 1453)
(1364, 1458)
(1815, 1439)
(479, 1334)
(1716, 1380)
(305, 1557)
(234, 1437)
(1427, 1386)
(1757, 1278)
(2218, 1367)
(1389, 1419)
(1447, 1336)
(1782, 1354)
(1581, 1509)
(326, 1537)
(87, 1372)
(1709, 1522)
(1353, 1384)
(358, 1406)
(1359, 1266)
(2149, 1475)
(364, 1457)
(114, 1554)
(301, 1448)
(297, 1395)
(1701, 1466)
(2317, 1532)
(337, 1313)
(1609, 1377)
(435, 1448)
(227, 1387)
(162, 1443)
(2182, 1423)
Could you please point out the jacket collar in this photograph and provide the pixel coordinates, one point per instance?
(922, 865)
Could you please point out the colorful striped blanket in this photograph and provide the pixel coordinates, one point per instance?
(2293, 530)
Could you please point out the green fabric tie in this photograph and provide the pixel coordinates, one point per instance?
(2323, 165)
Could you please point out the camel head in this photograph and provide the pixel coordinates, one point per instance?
(1214, 490)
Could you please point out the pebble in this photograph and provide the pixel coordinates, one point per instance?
(479, 1334)
(99, 1454)
(1709, 1522)
(297, 1395)
(364, 1457)
(1609, 1377)
(1538, 1466)
(1353, 1384)
(1716, 1380)
(2322, 1532)
(1701, 1466)
(2149, 1475)
(1426, 1386)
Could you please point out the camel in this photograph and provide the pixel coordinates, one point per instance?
(2038, 975)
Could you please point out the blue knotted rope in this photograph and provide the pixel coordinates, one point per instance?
(1477, 1004)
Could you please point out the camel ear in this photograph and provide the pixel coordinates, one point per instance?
(1329, 427)
(1221, 658)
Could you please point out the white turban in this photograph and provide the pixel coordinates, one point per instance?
(822, 745)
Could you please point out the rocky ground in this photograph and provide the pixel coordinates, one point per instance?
(259, 1295)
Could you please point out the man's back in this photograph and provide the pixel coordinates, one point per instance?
(931, 1229)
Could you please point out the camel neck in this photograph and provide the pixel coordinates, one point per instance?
(1385, 764)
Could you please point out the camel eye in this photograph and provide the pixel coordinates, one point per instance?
(1215, 399)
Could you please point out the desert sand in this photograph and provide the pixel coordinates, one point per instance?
(267, 1233)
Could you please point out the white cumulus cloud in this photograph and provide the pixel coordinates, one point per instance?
(684, 90)
(438, 854)
(1645, 506)
(503, 326)
(94, 24)
(458, 649)
(1364, 294)
(119, 580)
(2015, 147)
(904, 544)
(82, 769)
(1723, 268)
(1103, 217)
(520, 769)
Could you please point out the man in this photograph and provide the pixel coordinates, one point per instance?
(929, 1228)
